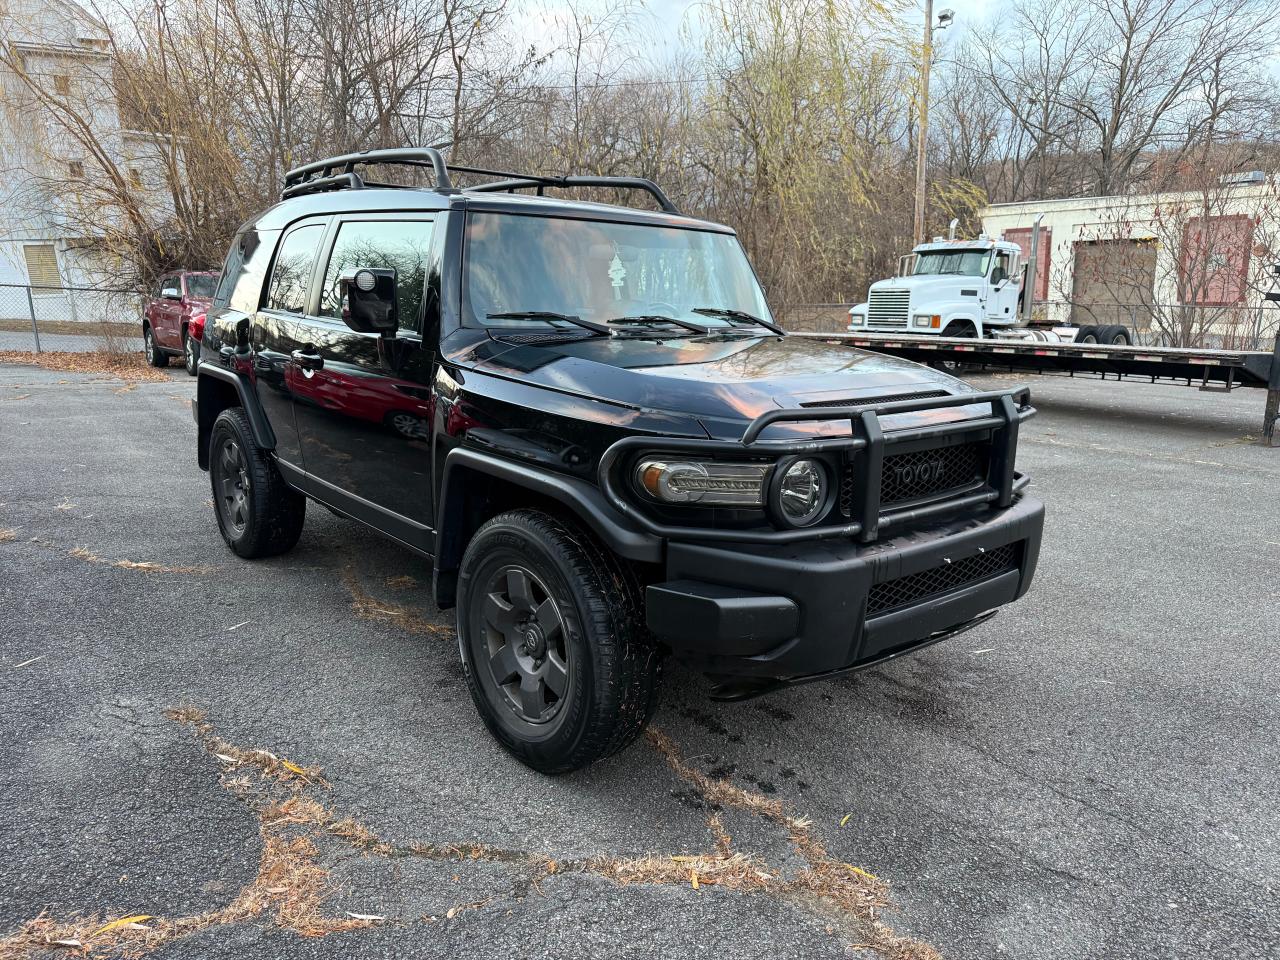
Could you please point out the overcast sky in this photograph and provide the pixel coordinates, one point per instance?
(674, 23)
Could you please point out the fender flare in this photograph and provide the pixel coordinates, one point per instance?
(582, 499)
(206, 410)
(963, 318)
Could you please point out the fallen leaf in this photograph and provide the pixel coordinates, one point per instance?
(293, 768)
(693, 879)
(453, 912)
(371, 917)
(74, 944)
(860, 872)
(134, 922)
(845, 819)
(225, 759)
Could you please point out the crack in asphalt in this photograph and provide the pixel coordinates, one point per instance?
(292, 885)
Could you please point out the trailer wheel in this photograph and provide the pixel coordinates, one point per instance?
(1115, 335)
(1087, 334)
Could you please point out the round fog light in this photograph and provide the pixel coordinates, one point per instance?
(801, 492)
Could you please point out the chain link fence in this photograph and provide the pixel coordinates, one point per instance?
(40, 319)
(1240, 327)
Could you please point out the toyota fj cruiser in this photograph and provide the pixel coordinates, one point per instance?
(585, 415)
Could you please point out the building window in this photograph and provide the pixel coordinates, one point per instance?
(135, 177)
(42, 265)
(62, 85)
(75, 169)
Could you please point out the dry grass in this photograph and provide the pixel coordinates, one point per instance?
(292, 886)
(81, 553)
(402, 582)
(368, 607)
(123, 366)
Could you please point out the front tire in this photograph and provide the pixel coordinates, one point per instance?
(551, 631)
(155, 356)
(258, 514)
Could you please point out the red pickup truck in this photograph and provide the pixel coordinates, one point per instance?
(173, 321)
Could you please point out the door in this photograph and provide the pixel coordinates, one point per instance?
(364, 415)
(167, 309)
(278, 331)
(1002, 289)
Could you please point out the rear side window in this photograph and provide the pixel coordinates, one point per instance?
(245, 271)
(200, 285)
(402, 245)
(291, 275)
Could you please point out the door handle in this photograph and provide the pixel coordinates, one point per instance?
(307, 361)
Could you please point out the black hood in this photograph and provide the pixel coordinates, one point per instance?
(719, 378)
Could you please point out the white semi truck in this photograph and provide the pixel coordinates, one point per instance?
(967, 288)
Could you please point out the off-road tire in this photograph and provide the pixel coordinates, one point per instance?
(272, 511)
(155, 356)
(190, 354)
(613, 663)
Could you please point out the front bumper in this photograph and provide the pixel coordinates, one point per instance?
(787, 610)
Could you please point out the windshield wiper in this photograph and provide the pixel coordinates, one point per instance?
(550, 315)
(740, 315)
(659, 318)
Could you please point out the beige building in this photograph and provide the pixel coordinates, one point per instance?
(1191, 265)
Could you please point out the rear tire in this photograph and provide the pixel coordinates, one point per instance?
(155, 356)
(190, 353)
(1115, 334)
(1087, 334)
(258, 514)
(553, 641)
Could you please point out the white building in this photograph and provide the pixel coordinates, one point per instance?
(1200, 259)
(44, 241)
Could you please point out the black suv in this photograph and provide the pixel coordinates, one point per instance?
(585, 415)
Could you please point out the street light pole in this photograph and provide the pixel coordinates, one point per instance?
(922, 133)
(945, 19)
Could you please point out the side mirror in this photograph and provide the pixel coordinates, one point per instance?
(369, 300)
(171, 293)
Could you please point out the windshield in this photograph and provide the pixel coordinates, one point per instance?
(601, 271)
(201, 285)
(965, 263)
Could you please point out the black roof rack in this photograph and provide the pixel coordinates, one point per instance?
(338, 173)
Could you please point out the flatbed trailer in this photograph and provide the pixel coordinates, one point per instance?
(1218, 371)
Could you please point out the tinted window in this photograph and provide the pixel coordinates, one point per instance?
(291, 275)
(245, 270)
(401, 245)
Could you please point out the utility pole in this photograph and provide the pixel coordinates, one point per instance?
(922, 134)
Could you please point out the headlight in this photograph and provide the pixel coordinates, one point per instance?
(725, 484)
(927, 320)
(856, 319)
(801, 491)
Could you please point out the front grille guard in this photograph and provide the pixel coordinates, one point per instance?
(864, 447)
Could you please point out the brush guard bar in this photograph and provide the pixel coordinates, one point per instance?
(863, 451)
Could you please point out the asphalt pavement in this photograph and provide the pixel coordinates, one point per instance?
(1093, 774)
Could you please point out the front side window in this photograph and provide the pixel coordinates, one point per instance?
(401, 245)
(291, 274)
(603, 271)
(963, 263)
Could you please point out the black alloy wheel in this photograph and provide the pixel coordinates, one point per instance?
(232, 485)
(552, 635)
(258, 514)
(528, 657)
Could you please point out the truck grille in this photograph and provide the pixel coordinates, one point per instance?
(888, 308)
(923, 473)
(949, 576)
